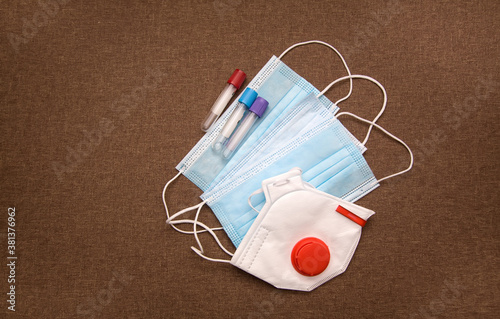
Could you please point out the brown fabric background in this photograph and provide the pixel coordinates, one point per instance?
(93, 240)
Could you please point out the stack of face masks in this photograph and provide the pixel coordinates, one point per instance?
(298, 129)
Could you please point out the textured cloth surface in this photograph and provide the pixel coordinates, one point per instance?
(101, 99)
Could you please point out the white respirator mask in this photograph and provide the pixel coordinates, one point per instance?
(302, 237)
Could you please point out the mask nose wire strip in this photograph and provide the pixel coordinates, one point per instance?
(185, 220)
(335, 50)
(196, 223)
(389, 134)
(250, 199)
(358, 76)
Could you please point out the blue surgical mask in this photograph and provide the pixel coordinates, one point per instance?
(284, 89)
(276, 83)
(323, 149)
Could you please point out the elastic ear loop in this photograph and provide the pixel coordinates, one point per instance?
(335, 50)
(200, 251)
(195, 232)
(184, 221)
(390, 135)
(358, 76)
(252, 195)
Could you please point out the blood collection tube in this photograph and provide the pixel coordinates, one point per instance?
(244, 102)
(256, 110)
(233, 84)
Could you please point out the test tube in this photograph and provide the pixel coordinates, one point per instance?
(244, 102)
(256, 110)
(233, 84)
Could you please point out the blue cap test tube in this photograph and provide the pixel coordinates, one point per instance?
(244, 102)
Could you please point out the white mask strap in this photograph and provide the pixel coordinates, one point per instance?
(199, 253)
(169, 220)
(213, 234)
(357, 76)
(252, 195)
(335, 50)
(390, 135)
(195, 231)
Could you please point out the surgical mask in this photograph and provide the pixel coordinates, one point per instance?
(302, 237)
(278, 84)
(282, 88)
(309, 137)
